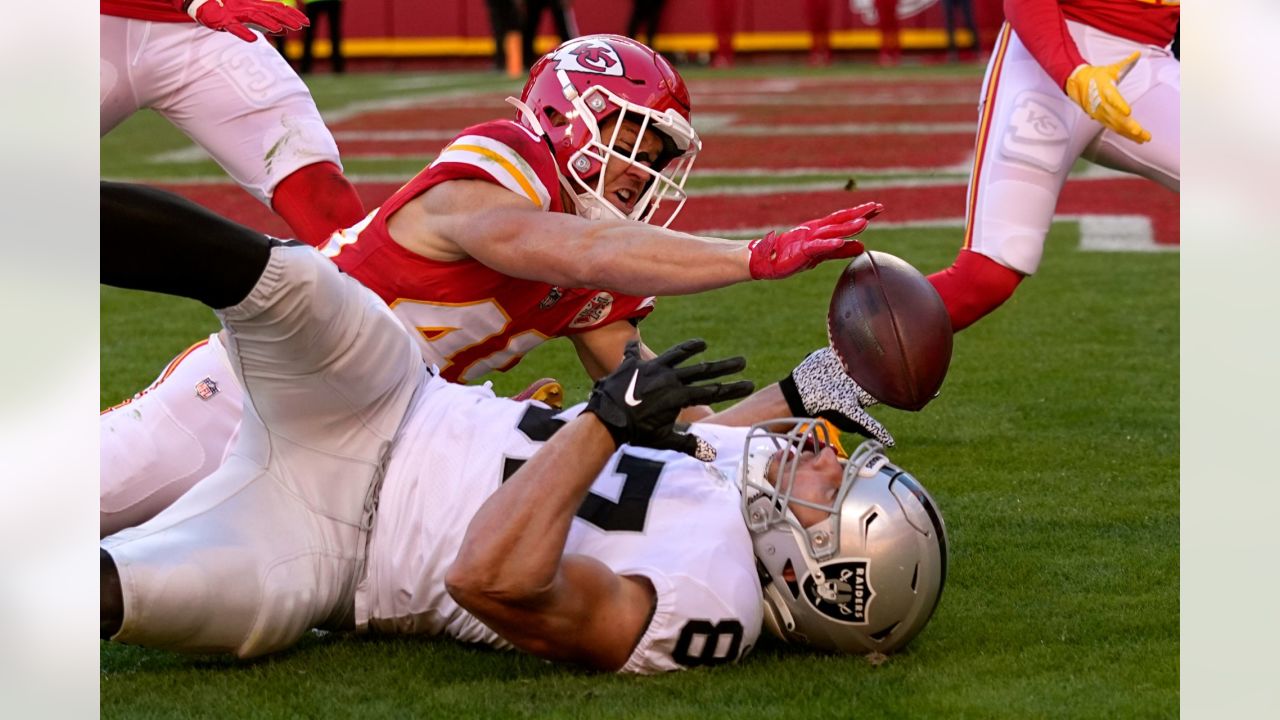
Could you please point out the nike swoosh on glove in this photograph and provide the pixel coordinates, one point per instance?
(639, 401)
(819, 387)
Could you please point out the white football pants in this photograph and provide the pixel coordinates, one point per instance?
(271, 544)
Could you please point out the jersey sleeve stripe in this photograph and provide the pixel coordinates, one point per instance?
(500, 162)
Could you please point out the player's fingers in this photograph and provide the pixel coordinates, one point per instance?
(631, 351)
(1123, 66)
(841, 216)
(719, 392)
(870, 210)
(1127, 127)
(868, 426)
(264, 20)
(681, 352)
(241, 32)
(294, 19)
(709, 370)
(841, 231)
(694, 446)
(690, 445)
(851, 248)
(1114, 101)
(1135, 132)
(265, 23)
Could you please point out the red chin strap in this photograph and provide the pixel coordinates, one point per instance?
(973, 286)
(316, 201)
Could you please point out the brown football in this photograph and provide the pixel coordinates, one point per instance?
(890, 330)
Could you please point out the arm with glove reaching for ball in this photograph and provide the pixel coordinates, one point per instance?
(817, 388)
(472, 219)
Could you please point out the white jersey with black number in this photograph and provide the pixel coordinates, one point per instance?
(660, 515)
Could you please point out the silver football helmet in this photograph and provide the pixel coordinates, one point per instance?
(867, 578)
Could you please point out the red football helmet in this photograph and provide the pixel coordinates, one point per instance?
(572, 92)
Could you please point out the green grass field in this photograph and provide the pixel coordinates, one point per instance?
(1052, 452)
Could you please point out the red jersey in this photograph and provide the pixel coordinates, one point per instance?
(1041, 25)
(470, 318)
(153, 10)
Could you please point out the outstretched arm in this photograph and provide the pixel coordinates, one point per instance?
(817, 387)
(505, 232)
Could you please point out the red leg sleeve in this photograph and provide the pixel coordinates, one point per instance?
(973, 286)
(317, 200)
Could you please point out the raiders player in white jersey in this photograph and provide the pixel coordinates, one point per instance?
(367, 493)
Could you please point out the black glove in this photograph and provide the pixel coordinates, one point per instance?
(819, 387)
(638, 403)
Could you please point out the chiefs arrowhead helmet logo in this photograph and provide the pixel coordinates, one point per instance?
(591, 56)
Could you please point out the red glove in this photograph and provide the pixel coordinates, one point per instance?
(779, 255)
(232, 15)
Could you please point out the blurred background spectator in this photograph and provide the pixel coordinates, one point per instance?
(723, 20)
(279, 39)
(649, 14)
(819, 16)
(331, 10)
(890, 47)
(561, 14)
(949, 8)
(504, 19)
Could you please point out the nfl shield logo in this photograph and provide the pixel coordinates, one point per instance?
(206, 389)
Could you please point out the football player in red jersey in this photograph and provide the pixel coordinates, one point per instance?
(198, 64)
(550, 225)
(1068, 79)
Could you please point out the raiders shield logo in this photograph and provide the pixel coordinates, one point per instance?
(841, 591)
(590, 56)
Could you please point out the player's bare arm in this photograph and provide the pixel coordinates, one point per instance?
(600, 350)
(467, 218)
(568, 607)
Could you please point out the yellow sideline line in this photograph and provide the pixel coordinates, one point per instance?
(411, 47)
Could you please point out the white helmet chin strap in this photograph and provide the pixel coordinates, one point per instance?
(528, 115)
(589, 205)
